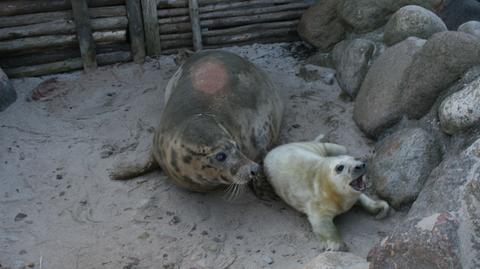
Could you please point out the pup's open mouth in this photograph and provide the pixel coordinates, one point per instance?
(359, 184)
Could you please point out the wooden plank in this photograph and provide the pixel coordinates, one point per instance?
(35, 18)
(170, 12)
(151, 27)
(67, 65)
(18, 7)
(195, 22)
(61, 27)
(233, 30)
(237, 12)
(84, 34)
(135, 26)
(233, 21)
(55, 55)
(28, 44)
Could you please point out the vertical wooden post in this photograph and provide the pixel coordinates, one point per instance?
(84, 34)
(135, 26)
(152, 30)
(195, 21)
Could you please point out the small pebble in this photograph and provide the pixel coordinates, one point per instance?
(31, 265)
(59, 177)
(144, 236)
(175, 220)
(267, 259)
(20, 216)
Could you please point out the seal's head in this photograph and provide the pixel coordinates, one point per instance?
(345, 174)
(206, 154)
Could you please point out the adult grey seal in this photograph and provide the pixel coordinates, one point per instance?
(222, 114)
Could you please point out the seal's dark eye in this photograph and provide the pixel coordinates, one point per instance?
(221, 157)
(339, 168)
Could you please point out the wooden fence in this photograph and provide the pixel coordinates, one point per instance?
(39, 37)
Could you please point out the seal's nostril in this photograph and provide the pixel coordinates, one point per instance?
(254, 169)
(360, 167)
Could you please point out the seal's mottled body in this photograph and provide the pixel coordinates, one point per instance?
(222, 114)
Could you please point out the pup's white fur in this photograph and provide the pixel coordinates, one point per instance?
(306, 176)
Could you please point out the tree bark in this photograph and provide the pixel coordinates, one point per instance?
(150, 24)
(195, 22)
(135, 26)
(84, 34)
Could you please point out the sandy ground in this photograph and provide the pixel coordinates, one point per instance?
(59, 209)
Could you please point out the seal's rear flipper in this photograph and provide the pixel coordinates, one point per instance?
(141, 166)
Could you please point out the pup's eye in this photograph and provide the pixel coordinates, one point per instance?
(339, 168)
(221, 157)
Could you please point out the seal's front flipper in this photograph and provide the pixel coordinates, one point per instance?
(379, 208)
(140, 166)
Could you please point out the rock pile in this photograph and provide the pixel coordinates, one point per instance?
(413, 69)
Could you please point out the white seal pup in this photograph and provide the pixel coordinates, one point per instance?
(322, 181)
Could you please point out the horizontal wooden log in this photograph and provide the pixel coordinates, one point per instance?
(18, 7)
(114, 57)
(67, 65)
(29, 19)
(238, 38)
(233, 30)
(235, 13)
(228, 6)
(269, 40)
(55, 55)
(40, 42)
(44, 69)
(232, 38)
(110, 36)
(184, 3)
(232, 21)
(60, 27)
(287, 38)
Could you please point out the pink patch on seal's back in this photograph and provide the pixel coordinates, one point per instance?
(209, 76)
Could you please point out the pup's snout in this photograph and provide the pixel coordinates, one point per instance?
(360, 167)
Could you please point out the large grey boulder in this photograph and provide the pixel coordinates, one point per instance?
(412, 21)
(442, 228)
(402, 163)
(377, 106)
(445, 57)
(7, 92)
(367, 15)
(461, 110)
(456, 12)
(353, 63)
(429, 243)
(471, 27)
(337, 260)
(320, 25)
